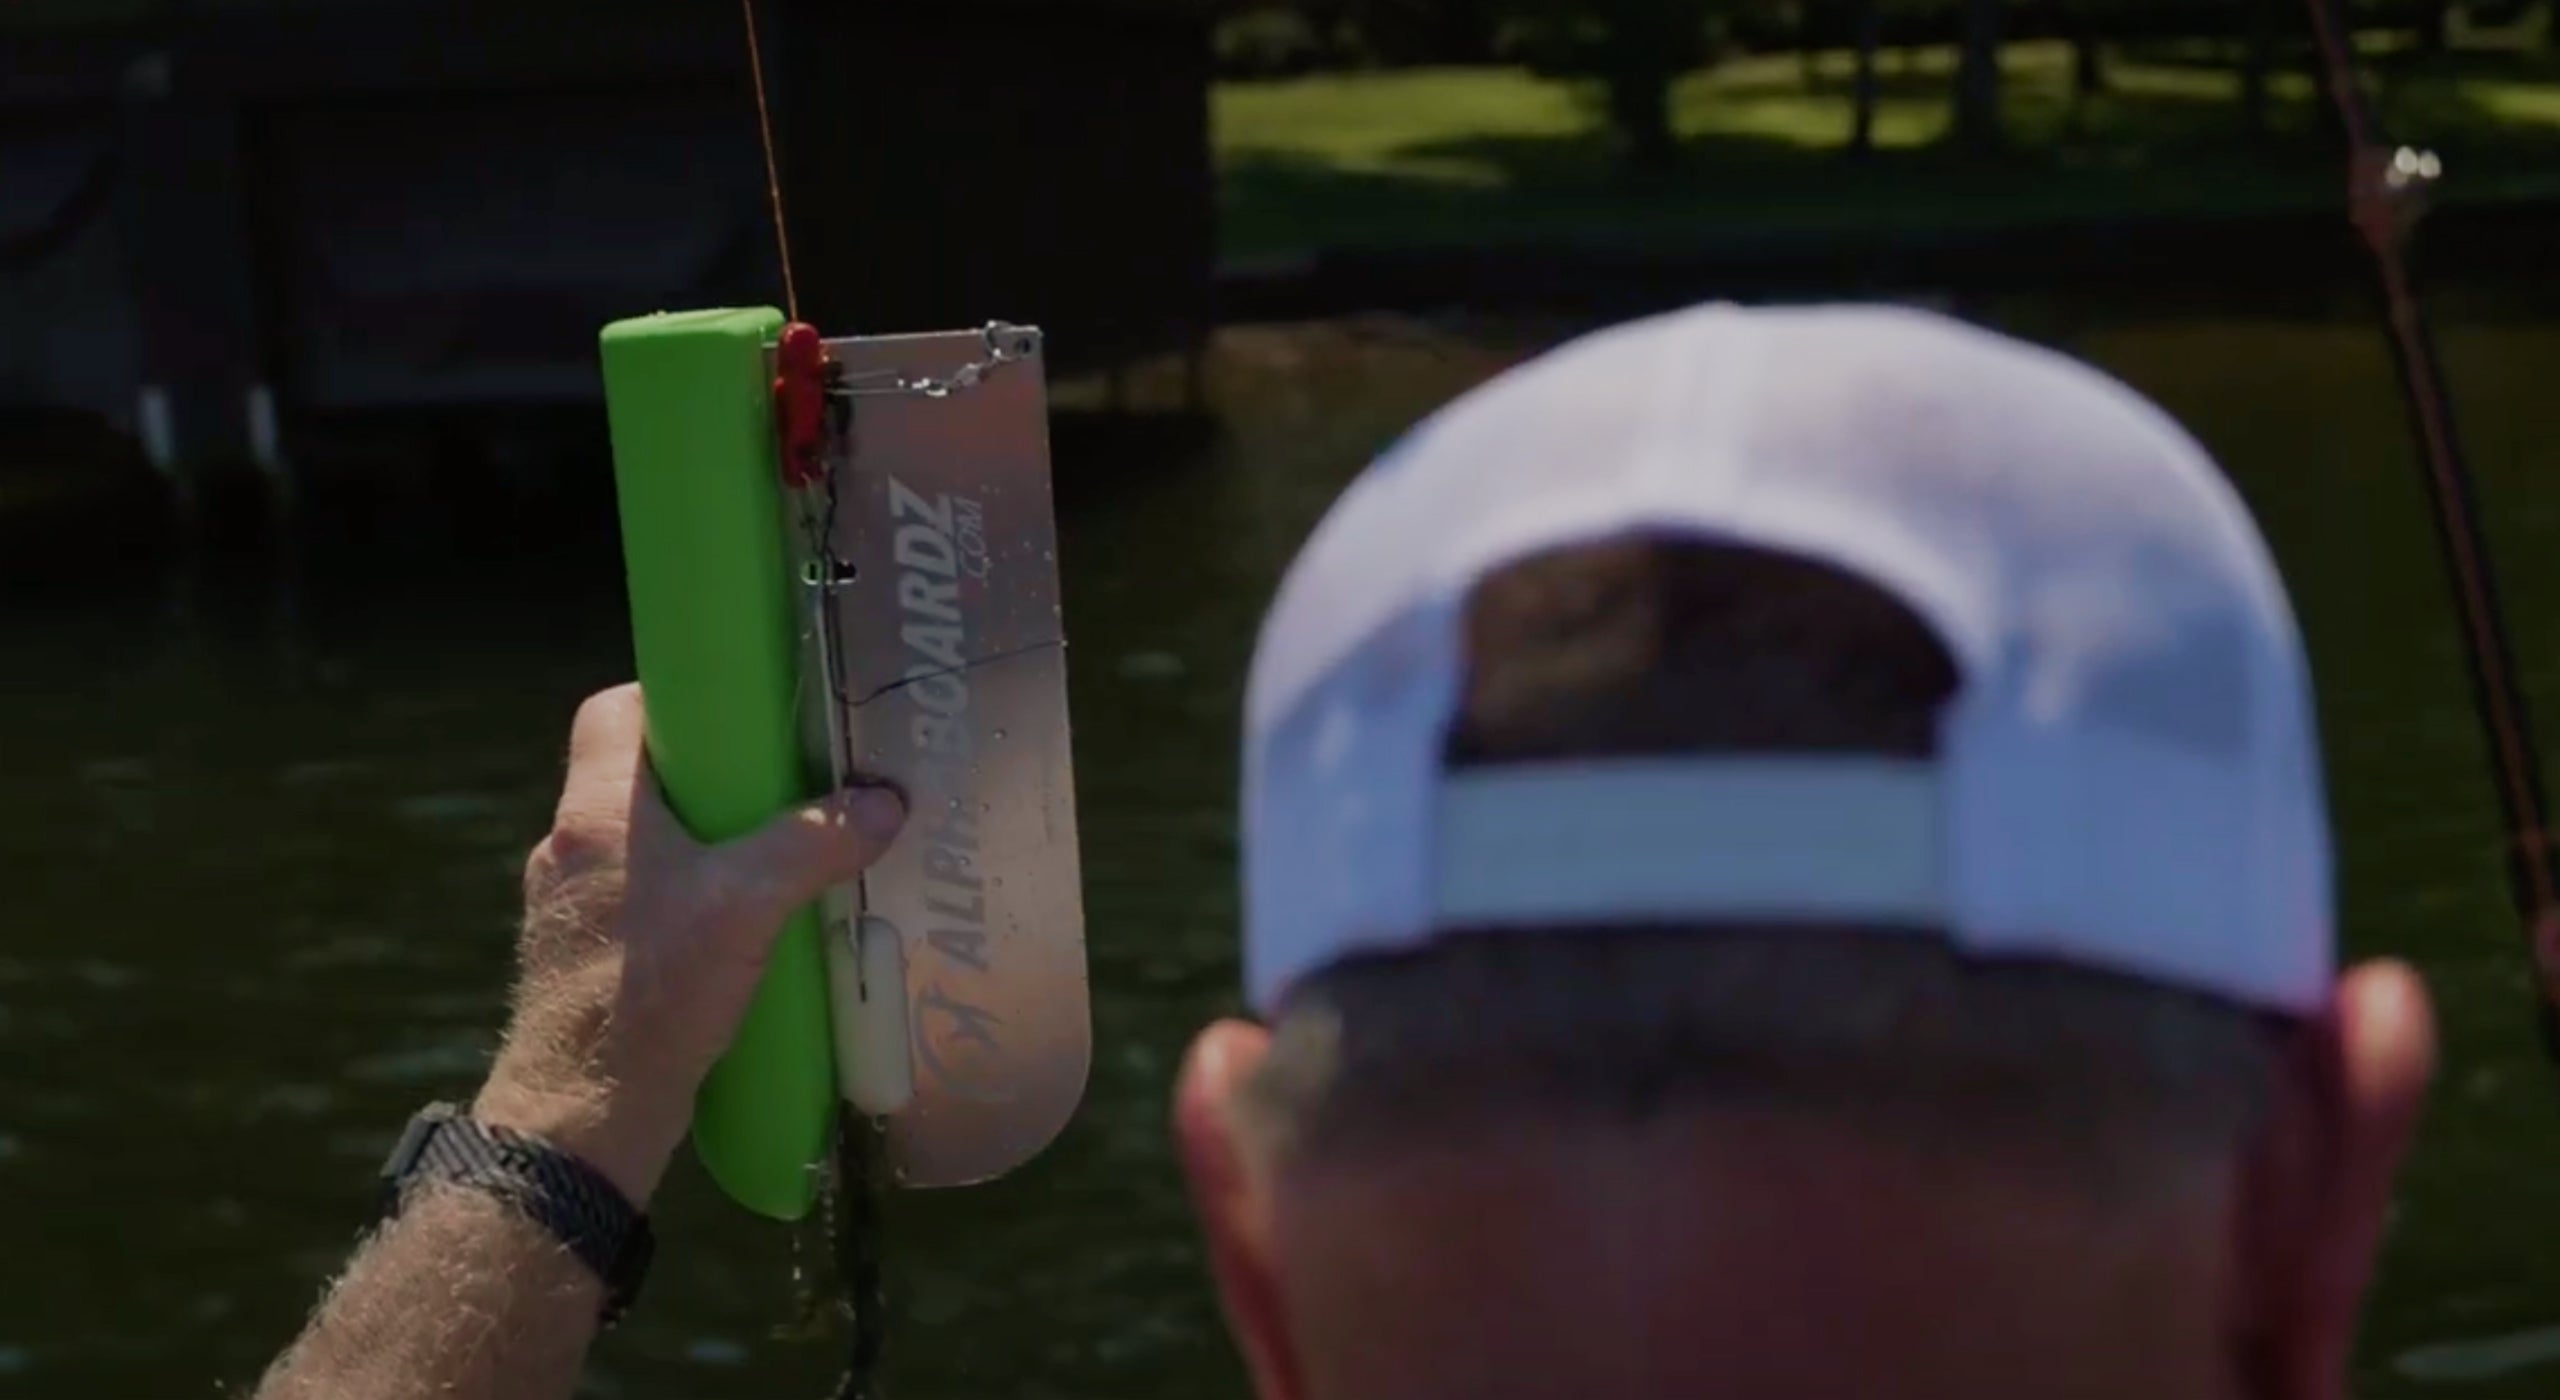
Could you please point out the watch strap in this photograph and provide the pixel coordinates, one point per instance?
(572, 1201)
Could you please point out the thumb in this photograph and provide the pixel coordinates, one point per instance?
(799, 855)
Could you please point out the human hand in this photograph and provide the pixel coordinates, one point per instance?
(641, 947)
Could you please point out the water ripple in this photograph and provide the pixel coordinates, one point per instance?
(2482, 1358)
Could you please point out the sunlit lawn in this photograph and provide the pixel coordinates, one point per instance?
(1491, 155)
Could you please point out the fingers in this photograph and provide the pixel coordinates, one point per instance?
(605, 740)
(799, 855)
(589, 830)
(608, 722)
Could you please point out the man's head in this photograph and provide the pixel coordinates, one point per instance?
(1677, 981)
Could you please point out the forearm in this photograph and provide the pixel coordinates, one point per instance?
(640, 951)
(459, 1298)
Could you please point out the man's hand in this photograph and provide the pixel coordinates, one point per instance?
(642, 946)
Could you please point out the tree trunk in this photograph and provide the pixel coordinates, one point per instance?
(1977, 100)
(2088, 58)
(1640, 107)
(2324, 98)
(2257, 65)
(2434, 19)
(2088, 64)
(1870, 25)
(1644, 53)
(1809, 46)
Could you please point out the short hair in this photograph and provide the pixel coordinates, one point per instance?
(1648, 646)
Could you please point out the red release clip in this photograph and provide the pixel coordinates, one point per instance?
(800, 404)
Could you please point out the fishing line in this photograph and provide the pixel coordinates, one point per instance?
(772, 167)
(848, 1195)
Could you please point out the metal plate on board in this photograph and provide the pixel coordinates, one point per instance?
(953, 671)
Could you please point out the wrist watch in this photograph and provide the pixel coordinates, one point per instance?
(570, 1200)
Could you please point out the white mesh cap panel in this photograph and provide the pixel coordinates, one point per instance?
(2129, 777)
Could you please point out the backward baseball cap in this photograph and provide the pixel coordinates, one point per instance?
(2127, 778)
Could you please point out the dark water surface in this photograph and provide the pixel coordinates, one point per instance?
(261, 866)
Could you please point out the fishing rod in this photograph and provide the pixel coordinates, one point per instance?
(2388, 187)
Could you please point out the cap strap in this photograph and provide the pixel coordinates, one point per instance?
(1639, 840)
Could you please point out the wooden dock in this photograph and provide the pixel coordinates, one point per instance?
(218, 225)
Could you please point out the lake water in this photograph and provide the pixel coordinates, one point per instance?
(261, 847)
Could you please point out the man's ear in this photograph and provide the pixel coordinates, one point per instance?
(1231, 1193)
(2316, 1189)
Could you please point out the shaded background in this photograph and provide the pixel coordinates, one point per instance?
(307, 553)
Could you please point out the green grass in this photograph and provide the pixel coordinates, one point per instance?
(1476, 156)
